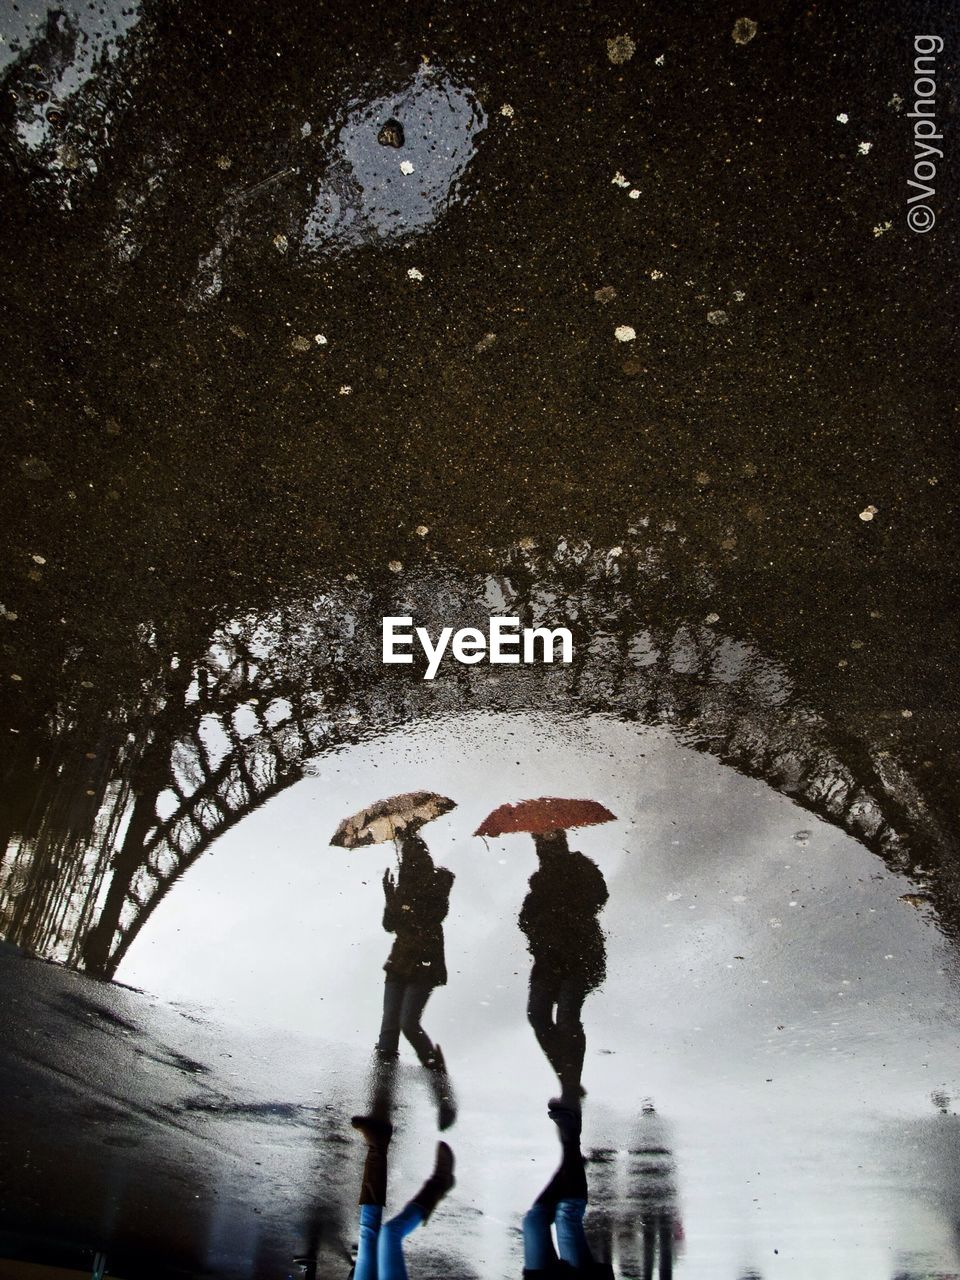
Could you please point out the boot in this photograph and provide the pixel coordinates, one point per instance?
(377, 1134)
(438, 1184)
(442, 1088)
(570, 1180)
(569, 1121)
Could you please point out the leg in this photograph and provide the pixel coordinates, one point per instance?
(365, 1267)
(538, 1251)
(390, 1243)
(571, 1240)
(389, 1043)
(570, 1180)
(649, 1247)
(381, 1087)
(666, 1247)
(415, 997)
(540, 1002)
(392, 1233)
(377, 1134)
(570, 1035)
(373, 1192)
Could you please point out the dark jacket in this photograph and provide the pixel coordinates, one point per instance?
(559, 917)
(414, 911)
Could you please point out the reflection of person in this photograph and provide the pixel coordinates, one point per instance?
(559, 917)
(561, 1205)
(415, 906)
(380, 1246)
(639, 1223)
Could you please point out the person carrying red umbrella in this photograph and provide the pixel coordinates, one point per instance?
(559, 917)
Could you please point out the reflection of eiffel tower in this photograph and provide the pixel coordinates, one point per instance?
(271, 692)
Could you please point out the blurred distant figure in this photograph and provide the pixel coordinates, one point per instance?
(559, 918)
(415, 905)
(638, 1223)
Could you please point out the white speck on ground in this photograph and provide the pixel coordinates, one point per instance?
(868, 513)
(406, 167)
(38, 559)
(624, 333)
(421, 530)
(395, 566)
(507, 111)
(619, 180)
(620, 49)
(907, 715)
(656, 275)
(414, 273)
(635, 194)
(738, 295)
(346, 390)
(711, 618)
(864, 148)
(320, 339)
(660, 60)
(843, 118)
(280, 243)
(717, 317)
(882, 227)
(744, 29)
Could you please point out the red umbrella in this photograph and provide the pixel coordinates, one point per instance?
(542, 815)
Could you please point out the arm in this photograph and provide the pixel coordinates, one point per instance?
(389, 902)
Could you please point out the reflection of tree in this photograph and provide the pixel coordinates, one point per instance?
(82, 873)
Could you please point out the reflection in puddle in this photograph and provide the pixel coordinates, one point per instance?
(398, 162)
(747, 973)
(50, 58)
(324, 315)
(725, 928)
(236, 727)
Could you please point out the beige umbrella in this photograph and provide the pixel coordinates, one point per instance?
(390, 818)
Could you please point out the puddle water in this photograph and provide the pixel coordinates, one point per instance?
(773, 998)
(319, 318)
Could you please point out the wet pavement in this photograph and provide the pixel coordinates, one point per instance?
(594, 317)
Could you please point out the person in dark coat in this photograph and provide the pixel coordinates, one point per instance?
(559, 918)
(415, 905)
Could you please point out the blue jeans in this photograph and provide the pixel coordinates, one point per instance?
(380, 1250)
(538, 1251)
